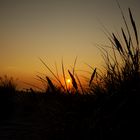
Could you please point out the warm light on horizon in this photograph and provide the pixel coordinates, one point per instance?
(54, 29)
(68, 82)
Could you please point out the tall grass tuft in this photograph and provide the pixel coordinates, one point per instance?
(123, 64)
(7, 84)
(7, 96)
(54, 75)
(61, 85)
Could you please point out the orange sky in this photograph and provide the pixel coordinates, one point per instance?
(53, 29)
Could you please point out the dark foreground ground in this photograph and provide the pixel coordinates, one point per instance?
(44, 117)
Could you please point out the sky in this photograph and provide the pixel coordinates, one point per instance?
(56, 29)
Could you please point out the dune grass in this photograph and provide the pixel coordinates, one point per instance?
(122, 64)
(107, 107)
(7, 84)
(123, 67)
(121, 74)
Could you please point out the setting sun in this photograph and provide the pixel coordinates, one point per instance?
(68, 81)
(69, 69)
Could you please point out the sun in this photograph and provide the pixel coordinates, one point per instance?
(68, 81)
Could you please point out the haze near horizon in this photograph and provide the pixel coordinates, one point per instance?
(53, 30)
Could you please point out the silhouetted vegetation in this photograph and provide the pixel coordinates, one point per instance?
(107, 108)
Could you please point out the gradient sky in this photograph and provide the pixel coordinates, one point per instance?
(52, 29)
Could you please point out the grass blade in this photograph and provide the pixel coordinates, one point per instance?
(64, 76)
(118, 44)
(50, 83)
(73, 80)
(92, 77)
(127, 44)
(82, 89)
(56, 70)
(126, 25)
(134, 26)
(74, 65)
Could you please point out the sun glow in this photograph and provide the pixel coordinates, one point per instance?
(68, 81)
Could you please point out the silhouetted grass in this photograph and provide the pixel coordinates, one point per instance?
(7, 94)
(108, 109)
(7, 84)
(123, 67)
